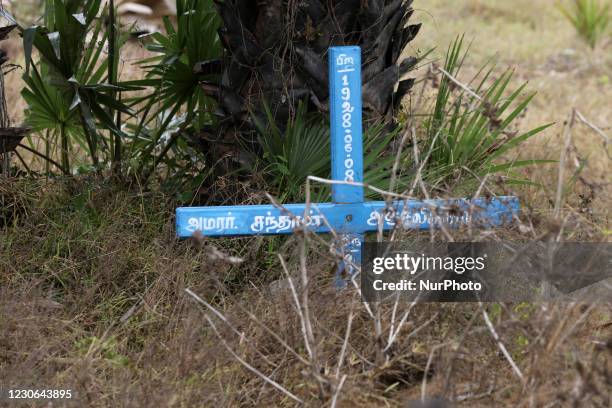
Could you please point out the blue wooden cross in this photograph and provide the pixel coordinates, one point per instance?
(349, 215)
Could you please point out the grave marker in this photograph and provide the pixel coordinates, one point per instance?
(349, 214)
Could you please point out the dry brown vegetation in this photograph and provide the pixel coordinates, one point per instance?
(94, 298)
(93, 284)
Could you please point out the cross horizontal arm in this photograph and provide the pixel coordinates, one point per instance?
(343, 218)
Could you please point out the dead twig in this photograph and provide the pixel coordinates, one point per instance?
(304, 315)
(304, 304)
(500, 344)
(346, 340)
(461, 85)
(297, 306)
(594, 128)
(337, 393)
(561, 177)
(225, 320)
(427, 366)
(240, 359)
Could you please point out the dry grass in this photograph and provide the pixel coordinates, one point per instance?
(93, 298)
(92, 284)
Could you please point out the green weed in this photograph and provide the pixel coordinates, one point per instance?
(106, 348)
(472, 127)
(68, 92)
(302, 149)
(590, 18)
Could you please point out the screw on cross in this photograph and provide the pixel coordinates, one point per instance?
(348, 214)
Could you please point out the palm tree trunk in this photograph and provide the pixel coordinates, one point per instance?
(112, 79)
(64, 144)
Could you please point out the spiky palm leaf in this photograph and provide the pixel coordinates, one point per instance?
(66, 89)
(276, 51)
(302, 149)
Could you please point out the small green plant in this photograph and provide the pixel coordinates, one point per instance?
(524, 310)
(106, 349)
(174, 85)
(520, 347)
(89, 119)
(470, 129)
(68, 92)
(590, 18)
(287, 157)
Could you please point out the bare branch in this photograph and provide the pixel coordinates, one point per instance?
(461, 85)
(297, 306)
(346, 341)
(501, 346)
(594, 128)
(337, 393)
(229, 324)
(562, 160)
(242, 361)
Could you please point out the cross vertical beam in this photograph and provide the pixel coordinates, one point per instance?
(346, 123)
(346, 143)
